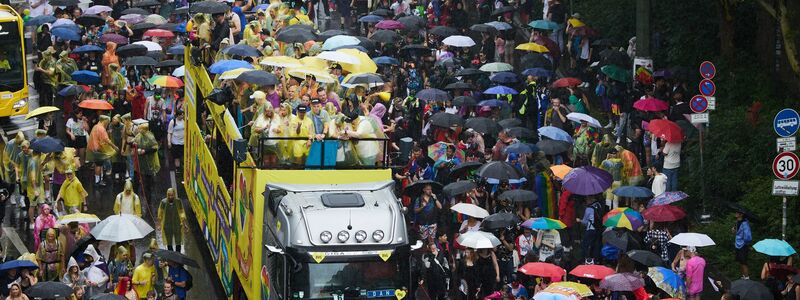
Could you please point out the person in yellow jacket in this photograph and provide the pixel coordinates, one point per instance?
(301, 126)
(172, 220)
(128, 202)
(72, 193)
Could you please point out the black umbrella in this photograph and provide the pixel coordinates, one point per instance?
(105, 296)
(47, 145)
(553, 147)
(132, 50)
(458, 85)
(614, 57)
(446, 120)
(146, 3)
(88, 20)
(482, 125)
(385, 36)
(646, 258)
(208, 7)
(459, 187)
(736, 207)
(443, 31)
(64, 2)
(499, 221)
(511, 122)
(135, 11)
(365, 78)
(142, 26)
(49, 289)
(432, 94)
(469, 72)
(241, 50)
(518, 195)
(502, 10)
(258, 77)
(750, 290)
(412, 22)
(622, 238)
(169, 63)
(181, 10)
(81, 245)
(140, 61)
(464, 169)
(415, 49)
(464, 101)
(499, 170)
(325, 35)
(415, 188)
(381, 12)
(295, 35)
(535, 60)
(155, 55)
(176, 257)
(521, 132)
(483, 28)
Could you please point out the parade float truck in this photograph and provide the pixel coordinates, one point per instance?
(13, 72)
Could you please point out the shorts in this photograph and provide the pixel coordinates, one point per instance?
(176, 151)
(741, 255)
(79, 142)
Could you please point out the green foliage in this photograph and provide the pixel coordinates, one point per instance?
(685, 32)
(615, 19)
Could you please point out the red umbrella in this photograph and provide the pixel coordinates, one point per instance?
(567, 81)
(390, 24)
(651, 104)
(95, 104)
(592, 271)
(555, 51)
(664, 213)
(159, 33)
(542, 270)
(666, 130)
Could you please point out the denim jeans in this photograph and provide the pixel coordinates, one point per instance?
(672, 179)
(591, 244)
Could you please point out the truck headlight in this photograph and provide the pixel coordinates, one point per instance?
(326, 236)
(343, 236)
(361, 236)
(377, 235)
(20, 103)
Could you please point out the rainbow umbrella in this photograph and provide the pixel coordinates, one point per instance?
(166, 81)
(543, 223)
(623, 217)
(666, 280)
(667, 198)
(439, 149)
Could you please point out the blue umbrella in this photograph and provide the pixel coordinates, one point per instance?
(543, 25)
(340, 41)
(538, 72)
(504, 77)
(667, 198)
(633, 192)
(87, 49)
(47, 145)
(668, 281)
(71, 26)
(71, 90)
(66, 34)
(499, 25)
(500, 90)
(385, 60)
(227, 65)
(263, 7)
(18, 264)
(86, 77)
(370, 19)
(555, 133)
(241, 50)
(176, 50)
(37, 21)
(521, 148)
(493, 103)
(774, 247)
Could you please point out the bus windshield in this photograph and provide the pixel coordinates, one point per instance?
(351, 279)
(11, 60)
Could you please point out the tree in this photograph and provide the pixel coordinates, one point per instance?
(784, 11)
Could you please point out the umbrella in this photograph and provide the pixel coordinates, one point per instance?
(176, 50)
(107, 296)
(258, 77)
(666, 130)
(581, 117)
(385, 60)
(166, 81)
(533, 47)
(140, 61)
(176, 257)
(172, 27)
(555, 133)
(510, 122)
(566, 82)
(365, 63)
(415, 188)
(553, 147)
(542, 269)
(582, 289)
(582, 31)
(321, 76)
(622, 239)
(86, 77)
(543, 224)
(496, 67)
(63, 3)
(364, 78)
(232, 74)
(47, 145)
(552, 46)
(38, 21)
(331, 33)
(241, 50)
(587, 180)
(521, 148)
(591, 271)
(543, 25)
(432, 94)
(65, 34)
(646, 258)
(132, 50)
(115, 38)
(460, 41)
(664, 213)
(499, 170)
(79, 218)
(464, 101)
(504, 77)
(560, 171)
(372, 19)
(146, 3)
(482, 125)
(122, 227)
(143, 26)
(132, 18)
(226, 65)
(413, 48)
(49, 289)
(520, 132)
(617, 73)
(458, 187)
(412, 22)
(390, 24)
(650, 104)
(458, 85)
(443, 31)
(151, 46)
(518, 195)
(208, 7)
(469, 72)
(471, 210)
(668, 281)
(633, 192)
(340, 57)
(446, 120)
(622, 282)
(500, 90)
(692, 239)
(18, 264)
(89, 20)
(662, 73)
(774, 247)
(385, 36)
(499, 221)
(179, 72)
(503, 10)
(155, 19)
(295, 35)
(478, 240)
(381, 12)
(535, 60)
(135, 11)
(95, 104)
(169, 63)
(499, 25)
(464, 168)
(339, 41)
(736, 207)
(483, 28)
(750, 290)
(45, 109)
(493, 103)
(623, 217)
(555, 293)
(165, 34)
(667, 198)
(281, 62)
(87, 49)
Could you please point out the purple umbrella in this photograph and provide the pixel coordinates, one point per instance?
(132, 18)
(587, 180)
(390, 24)
(500, 90)
(622, 282)
(667, 198)
(113, 37)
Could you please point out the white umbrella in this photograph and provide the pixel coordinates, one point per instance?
(478, 240)
(151, 46)
(692, 239)
(459, 41)
(155, 19)
(579, 117)
(122, 227)
(97, 9)
(497, 67)
(338, 57)
(471, 210)
(179, 72)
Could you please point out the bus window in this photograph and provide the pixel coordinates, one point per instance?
(11, 60)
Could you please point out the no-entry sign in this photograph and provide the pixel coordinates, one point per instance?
(785, 165)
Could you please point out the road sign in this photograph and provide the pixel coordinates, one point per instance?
(708, 70)
(712, 103)
(699, 118)
(785, 188)
(787, 144)
(707, 87)
(698, 104)
(786, 122)
(785, 165)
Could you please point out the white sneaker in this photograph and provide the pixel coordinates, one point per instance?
(30, 226)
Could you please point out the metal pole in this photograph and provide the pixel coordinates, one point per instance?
(783, 225)
(643, 28)
(702, 171)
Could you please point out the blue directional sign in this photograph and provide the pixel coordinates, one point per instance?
(786, 122)
(708, 70)
(698, 104)
(707, 88)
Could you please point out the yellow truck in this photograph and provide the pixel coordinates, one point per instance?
(13, 70)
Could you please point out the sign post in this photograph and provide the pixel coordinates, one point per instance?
(699, 104)
(786, 164)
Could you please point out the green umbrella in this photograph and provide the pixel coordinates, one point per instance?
(617, 73)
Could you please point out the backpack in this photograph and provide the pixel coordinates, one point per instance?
(599, 212)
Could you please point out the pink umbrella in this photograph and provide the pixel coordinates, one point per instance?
(132, 18)
(97, 9)
(113, 37)
(390, 24)
(159, 33)
(651, 104)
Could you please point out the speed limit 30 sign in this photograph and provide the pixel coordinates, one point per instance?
(785, 165)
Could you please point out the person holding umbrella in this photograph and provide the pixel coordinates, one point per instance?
(743, 238)
(426, 214)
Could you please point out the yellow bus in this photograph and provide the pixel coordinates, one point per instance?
(13, 69)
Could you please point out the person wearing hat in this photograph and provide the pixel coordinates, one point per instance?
(101, 149)
(72, 193)
(143, 276)
(301, 126)
(47, 66)
(147, 150)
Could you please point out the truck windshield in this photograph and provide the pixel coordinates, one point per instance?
(350, 279)
(11, 67)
